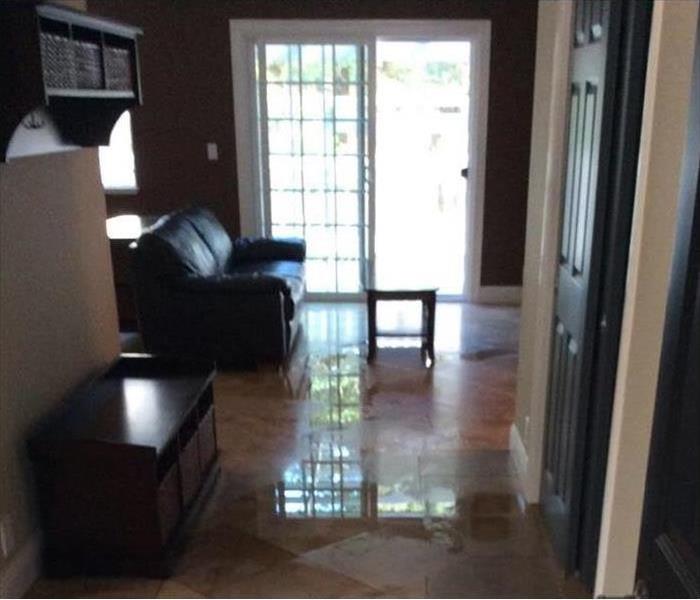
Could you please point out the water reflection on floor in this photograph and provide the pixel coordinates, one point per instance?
(347, 480)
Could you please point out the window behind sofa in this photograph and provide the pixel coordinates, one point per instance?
(117, 163)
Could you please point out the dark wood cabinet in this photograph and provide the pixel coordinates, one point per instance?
(67, 77)
(123, 463)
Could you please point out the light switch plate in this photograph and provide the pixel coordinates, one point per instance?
(212, 151)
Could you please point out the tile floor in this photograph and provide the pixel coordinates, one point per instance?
(347, 480)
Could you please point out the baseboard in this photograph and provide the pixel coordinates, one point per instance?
(499, 294)
(519, 454)
(22, 570)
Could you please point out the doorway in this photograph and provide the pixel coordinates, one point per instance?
(609, 42)
(422, 107)
(353, 135)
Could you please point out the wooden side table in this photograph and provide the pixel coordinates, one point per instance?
(122, 231)
(427, 297)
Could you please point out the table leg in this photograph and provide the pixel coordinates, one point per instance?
(429, 304)
(371, 327)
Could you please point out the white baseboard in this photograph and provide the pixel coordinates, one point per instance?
(499, 294)
(22, 570)
(519, 454)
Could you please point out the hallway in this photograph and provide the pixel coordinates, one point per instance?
(354, 481)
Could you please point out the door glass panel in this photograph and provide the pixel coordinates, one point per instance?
(312, 63)
(422, 145)
(289, 210)
(283, 101)
(284, 139)
(346, 137)
(313, 128)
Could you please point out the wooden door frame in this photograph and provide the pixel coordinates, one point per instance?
(682, 298)
(664, 129)
(546, 178)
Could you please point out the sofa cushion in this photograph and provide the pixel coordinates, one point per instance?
(213, 234)
(248, 249)
(180, 248)
(291, 272)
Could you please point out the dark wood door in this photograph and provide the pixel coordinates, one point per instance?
(669, 558)
(591, 111)
(630, 82)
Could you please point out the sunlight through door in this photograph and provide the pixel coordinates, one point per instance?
(422, 124)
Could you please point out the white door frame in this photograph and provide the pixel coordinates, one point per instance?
(546, 180)
(245, 33)
(666, 102)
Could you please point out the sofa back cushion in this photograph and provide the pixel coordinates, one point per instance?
(213, 234)
(173, 247)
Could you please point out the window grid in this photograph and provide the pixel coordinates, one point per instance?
(301, 137)
(335, 169)
(292, 164)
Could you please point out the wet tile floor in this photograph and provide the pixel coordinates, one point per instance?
(341, 479)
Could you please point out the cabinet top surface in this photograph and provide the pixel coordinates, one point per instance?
(131, 404)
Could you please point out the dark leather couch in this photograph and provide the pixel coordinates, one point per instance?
(199, 293)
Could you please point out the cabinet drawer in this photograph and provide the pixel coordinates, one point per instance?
(190, 472)
(169, 504)
(207, 439)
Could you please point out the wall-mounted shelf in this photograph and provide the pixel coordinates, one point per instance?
(78, 93)
(67, 77)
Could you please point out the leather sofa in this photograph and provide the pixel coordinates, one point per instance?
(200, 293)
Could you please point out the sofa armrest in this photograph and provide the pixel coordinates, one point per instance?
(253, 249)
(222, 314)
(231, 284)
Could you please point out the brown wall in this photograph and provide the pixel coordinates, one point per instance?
(186, 72)
(58, 319)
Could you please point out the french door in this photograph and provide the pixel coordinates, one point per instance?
(306, 98)
(312, 120)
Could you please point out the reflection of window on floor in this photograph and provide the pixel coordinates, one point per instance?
(393, 501)
(328, 483)
(335, 396)
(337, 478)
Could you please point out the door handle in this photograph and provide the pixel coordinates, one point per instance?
(465, 172)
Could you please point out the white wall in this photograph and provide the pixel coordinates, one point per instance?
(58, 320)
(664, 123)
(539, 271)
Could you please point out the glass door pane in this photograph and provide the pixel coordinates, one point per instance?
(422, 121)
(312, 103)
